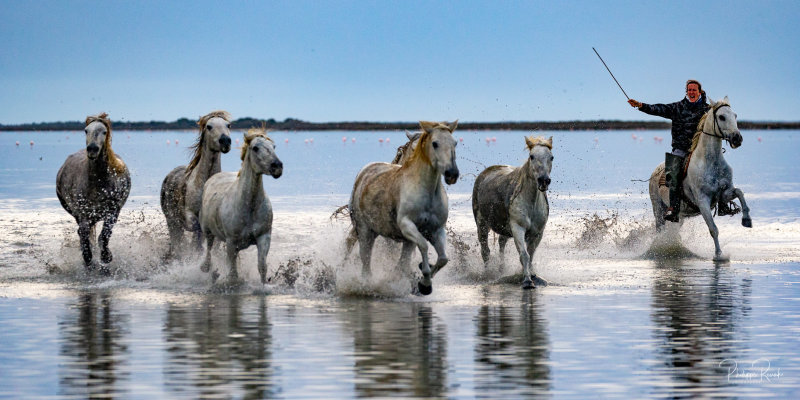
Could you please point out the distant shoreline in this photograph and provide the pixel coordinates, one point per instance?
(291, 124)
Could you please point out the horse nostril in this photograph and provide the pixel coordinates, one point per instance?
(92, 148)
(225, 141)
(547, 181)
(276, 164)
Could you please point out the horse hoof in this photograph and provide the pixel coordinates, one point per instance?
(424, 290)
(104, 271)
(106, 257)
(539, 281)
(527, 284)
(747, 222)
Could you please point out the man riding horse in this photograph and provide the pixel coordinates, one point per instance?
(685, 116)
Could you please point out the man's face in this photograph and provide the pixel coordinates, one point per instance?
(692, 92)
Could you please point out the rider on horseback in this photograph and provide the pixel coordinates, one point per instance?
(685, 116)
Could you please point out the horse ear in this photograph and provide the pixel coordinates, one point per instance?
(550, 140)
(726, 99)
(529, 141)
(409, 135)
(427, 126)
(452, 126)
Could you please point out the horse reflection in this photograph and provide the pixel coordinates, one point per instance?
(400, 349)
(218, 345)
(512, 348)
(92, 347)
(696, 313)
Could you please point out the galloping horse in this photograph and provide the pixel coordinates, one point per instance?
(709, 179)
(513, 203)
(93, 185)
(235, 208)
(407, 202)
(182, 189)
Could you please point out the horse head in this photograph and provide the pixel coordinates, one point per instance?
(98, 134)
(724, 123)
(259, 152)
(540, 160)
(215, 131)
(438, 143)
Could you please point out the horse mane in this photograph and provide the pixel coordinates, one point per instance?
(115, 164)
(249, 136)
(699, 132)
(197, 147)
(401, 150)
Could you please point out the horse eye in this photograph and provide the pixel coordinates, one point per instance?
(551, 158)
(435, 145)
(86, 131)
(208, 127)
(532, 157)
(229, 126)
(255, 149)
(722, 118)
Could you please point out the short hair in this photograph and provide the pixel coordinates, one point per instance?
(696, 82)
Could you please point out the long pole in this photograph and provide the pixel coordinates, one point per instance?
(609, 71)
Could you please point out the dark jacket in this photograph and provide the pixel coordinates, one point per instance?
(685, 116)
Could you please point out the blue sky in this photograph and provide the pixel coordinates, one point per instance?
(392, 60)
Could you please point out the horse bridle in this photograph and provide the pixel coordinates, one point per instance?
(715, 128)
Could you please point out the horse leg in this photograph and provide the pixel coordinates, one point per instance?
(198, 234)
(410, 232)
(84, 230)
(502, 241)
(262, 244)
(483, 240)
(352, 238)
(519, 240)
(105, 236)
(746, 221)
(206, 265)
(231, 252)
(405, 255)
(366, 238)
(533, 242)
(705, 211)
(440, 244)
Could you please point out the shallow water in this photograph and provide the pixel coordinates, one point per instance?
(615, 322)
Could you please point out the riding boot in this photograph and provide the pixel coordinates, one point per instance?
(673, 167)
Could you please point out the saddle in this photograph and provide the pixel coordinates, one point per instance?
(722, 208)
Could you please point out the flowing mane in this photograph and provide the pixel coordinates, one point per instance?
(699, 132)
(114, 163)
(425, 137)
(197, 146)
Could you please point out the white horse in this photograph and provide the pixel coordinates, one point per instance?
(235, 208)
(513, 203)
(93, 185)
(182, 189)
(709, 179)
(407, 202)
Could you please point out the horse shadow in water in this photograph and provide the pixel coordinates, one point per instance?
(236, 210)
(407, 202)
(513, 203)
(708, 184)
(92, 186)
(182, 189)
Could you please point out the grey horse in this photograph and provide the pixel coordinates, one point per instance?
(513, 203)
(236, 209)
(182, 189)
(93, 185)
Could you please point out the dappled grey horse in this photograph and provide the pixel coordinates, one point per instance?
(182, 189)
(513, 203)
(708, 184)
(93, 185)
(236, 210)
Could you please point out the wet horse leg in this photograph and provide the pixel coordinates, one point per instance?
(440, 244)
(262, 244)
(746, 221)
(366, 238)
(105, 236)
(533, 239)
(405, 256)
(411, 233)
(483, 239)
(502, 241)
(231, 251)
(703, 203)
(84, 229)
(519, 240)
(206, 265)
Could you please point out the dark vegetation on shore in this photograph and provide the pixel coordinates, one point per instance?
(291, 124)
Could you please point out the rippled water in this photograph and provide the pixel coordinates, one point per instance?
(614, 323)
